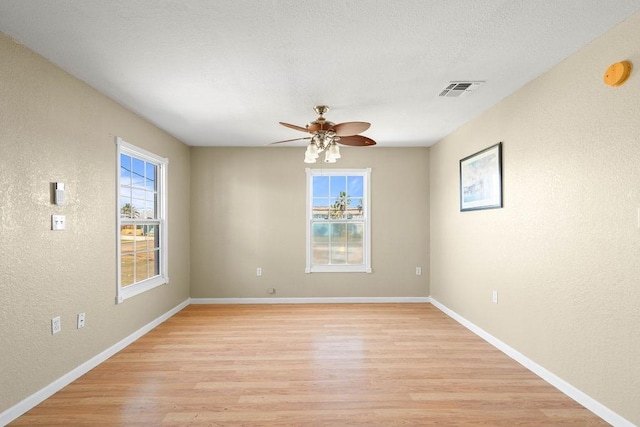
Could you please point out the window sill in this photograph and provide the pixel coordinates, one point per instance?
(339, 269)
(133, 290)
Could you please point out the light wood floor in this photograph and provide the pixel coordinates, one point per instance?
(309, 365)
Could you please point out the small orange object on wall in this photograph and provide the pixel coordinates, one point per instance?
(617, 73)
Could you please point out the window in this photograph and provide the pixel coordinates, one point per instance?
(142, 227)
(338, 220)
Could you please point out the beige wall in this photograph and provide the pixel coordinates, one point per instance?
(564, 252)
(55, 128)
(248, 211)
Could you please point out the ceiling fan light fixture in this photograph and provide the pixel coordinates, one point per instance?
(328, 158)
(325, 136)
(334, 150)
(312, 151)
(311, 154)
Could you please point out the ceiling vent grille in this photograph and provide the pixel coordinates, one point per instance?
(456, 89)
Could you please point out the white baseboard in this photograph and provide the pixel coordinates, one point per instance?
(26, 404)
(585, 400)
(314, 300)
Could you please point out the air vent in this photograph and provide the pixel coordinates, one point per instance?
(457, 89)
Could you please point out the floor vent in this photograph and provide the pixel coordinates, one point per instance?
(457, 89)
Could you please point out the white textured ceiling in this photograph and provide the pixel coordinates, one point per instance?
(225, 72)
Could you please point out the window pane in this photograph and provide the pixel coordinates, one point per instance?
(320, 208)
(137, 209)
(125, 169)
(320, 233)
(151, 176)
(153, 235)
(320, 254)
(321, 202)
(137, 173)
(125, 191)
(154, 258)
(149, 211)
(127, 248)
(126, 235)
(338, 185)
(138, 194)
(338, 233)
(338, 254)
(126, 270)
(151, 204)
(355, 232)
(126, 210)
(356, 207)
(125, 195)
(339, 206)
(355, 186)
(142, 266)
(355, 254)
(320, 186)
(140, 238)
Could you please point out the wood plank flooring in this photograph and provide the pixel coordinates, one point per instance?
(309, 365)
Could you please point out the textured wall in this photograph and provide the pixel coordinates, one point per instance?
(564, 251)
(250, 212)
(55, 128)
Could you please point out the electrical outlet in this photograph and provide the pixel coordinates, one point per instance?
(56, 325)
(58, 222)
(271, 291)
(494, 297)
(418, 271)
(80, 320)
(259, 271)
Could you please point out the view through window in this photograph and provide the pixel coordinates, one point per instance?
(338, 232)
(141, 214)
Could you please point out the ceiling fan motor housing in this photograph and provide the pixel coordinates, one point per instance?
(320, 125)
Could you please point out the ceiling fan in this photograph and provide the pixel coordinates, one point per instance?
(325, 136)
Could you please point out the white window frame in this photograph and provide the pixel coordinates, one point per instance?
(162, 163)
(365, 267)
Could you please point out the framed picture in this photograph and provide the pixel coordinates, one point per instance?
(481, 180)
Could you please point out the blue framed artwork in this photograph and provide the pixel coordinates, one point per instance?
(481, 180)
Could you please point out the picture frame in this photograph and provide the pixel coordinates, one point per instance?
(481, 179)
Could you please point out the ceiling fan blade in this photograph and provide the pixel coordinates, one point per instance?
(296, 127)
(289, 140)
(350, 128)
(356, 141)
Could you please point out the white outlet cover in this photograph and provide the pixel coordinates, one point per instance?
(58, 222)
(56, 325)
